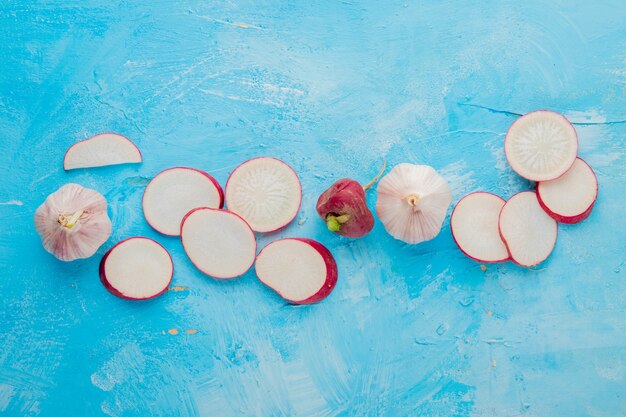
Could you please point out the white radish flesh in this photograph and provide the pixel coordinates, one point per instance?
(541, 145)
(266, 192)
(474, 225)
(218, 242)
(101, 150)
(136, 268)
(175, 192)
(570, 198)
(302, 271)
(526, 229)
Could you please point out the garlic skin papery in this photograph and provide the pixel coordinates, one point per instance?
(412, 202)
(73, 222)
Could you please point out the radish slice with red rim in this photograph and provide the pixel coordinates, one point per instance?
(526, 229)
(218, 242)
(266, 192)
(172, 193)
(570, 198)
(474, 225)
(541, 145)
(302, 271)
(101, 150)
(137, 268)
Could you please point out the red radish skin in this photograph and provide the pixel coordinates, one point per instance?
(84, 141)
(508, 245)
(569, 219)
(346, 197)
(287, 220)
(147, 216)
(112, 289)
(331, 271)
(458, 244)
(212, 273)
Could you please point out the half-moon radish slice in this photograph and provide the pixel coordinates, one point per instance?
(101, 150)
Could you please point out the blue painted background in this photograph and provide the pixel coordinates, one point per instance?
(331, 87)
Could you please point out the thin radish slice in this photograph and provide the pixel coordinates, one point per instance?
(266, 192)
(101, 150)
(541, 145)
(175, 192)
(570, 198)
(218, 242)
(527, 231)
(137, 268)
(474, 225)
(302, 271)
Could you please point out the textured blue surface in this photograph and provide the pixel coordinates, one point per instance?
(331, 87)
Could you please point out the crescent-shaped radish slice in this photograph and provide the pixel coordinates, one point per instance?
(101, 150)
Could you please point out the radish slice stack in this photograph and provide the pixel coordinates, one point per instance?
(174, 192)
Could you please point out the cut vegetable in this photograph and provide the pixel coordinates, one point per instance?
(302, 271)
(137, 268)
(527, 231)
(474, 225)
(175, 192)
(570, 198)
(218, 242)
(266, 192)
(101, 150)
(541, 145)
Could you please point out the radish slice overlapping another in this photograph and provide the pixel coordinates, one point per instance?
(218, 242)
(101, 150)
(474, 225)
(137, 268)
(302, 271)
(175, 192)
(541, 145)
(526, 229)
(570, 198)
(266, 192)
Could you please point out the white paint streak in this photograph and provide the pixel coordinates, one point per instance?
(6, 394)
(12, 203)
(117, 369)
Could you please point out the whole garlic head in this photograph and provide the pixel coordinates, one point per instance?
(412, 202)
(73, 222)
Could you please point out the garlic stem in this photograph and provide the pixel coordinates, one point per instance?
(412, 199)
(376, 178)
(70, 222)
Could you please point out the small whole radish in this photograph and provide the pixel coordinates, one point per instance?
(344, 209)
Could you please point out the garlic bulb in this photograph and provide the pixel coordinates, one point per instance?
(412, 202)
(73, 222)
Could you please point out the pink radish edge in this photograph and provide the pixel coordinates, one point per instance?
(507, 245)
(206, 174)
(227, 211)
(540, 111)
(331, 271)
(113, 290)
(98, 134)
(569, 219)
(459, 246)
(292, 170)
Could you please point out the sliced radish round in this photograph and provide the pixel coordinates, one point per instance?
(301, 271)
(218, 242)
(101, 150)
(527, 231)
(570, 198)
(474, 225)
(541, 145)
(137, 268)
(266, 192)
(175, 192)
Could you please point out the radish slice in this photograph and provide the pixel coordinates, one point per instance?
(266, 192)
(137, 268)
(541, 145)
(218, 242)
(570, 198)
(174, 192)
(474, 225)
(101, 150)
(302, 271)
(527, 231)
